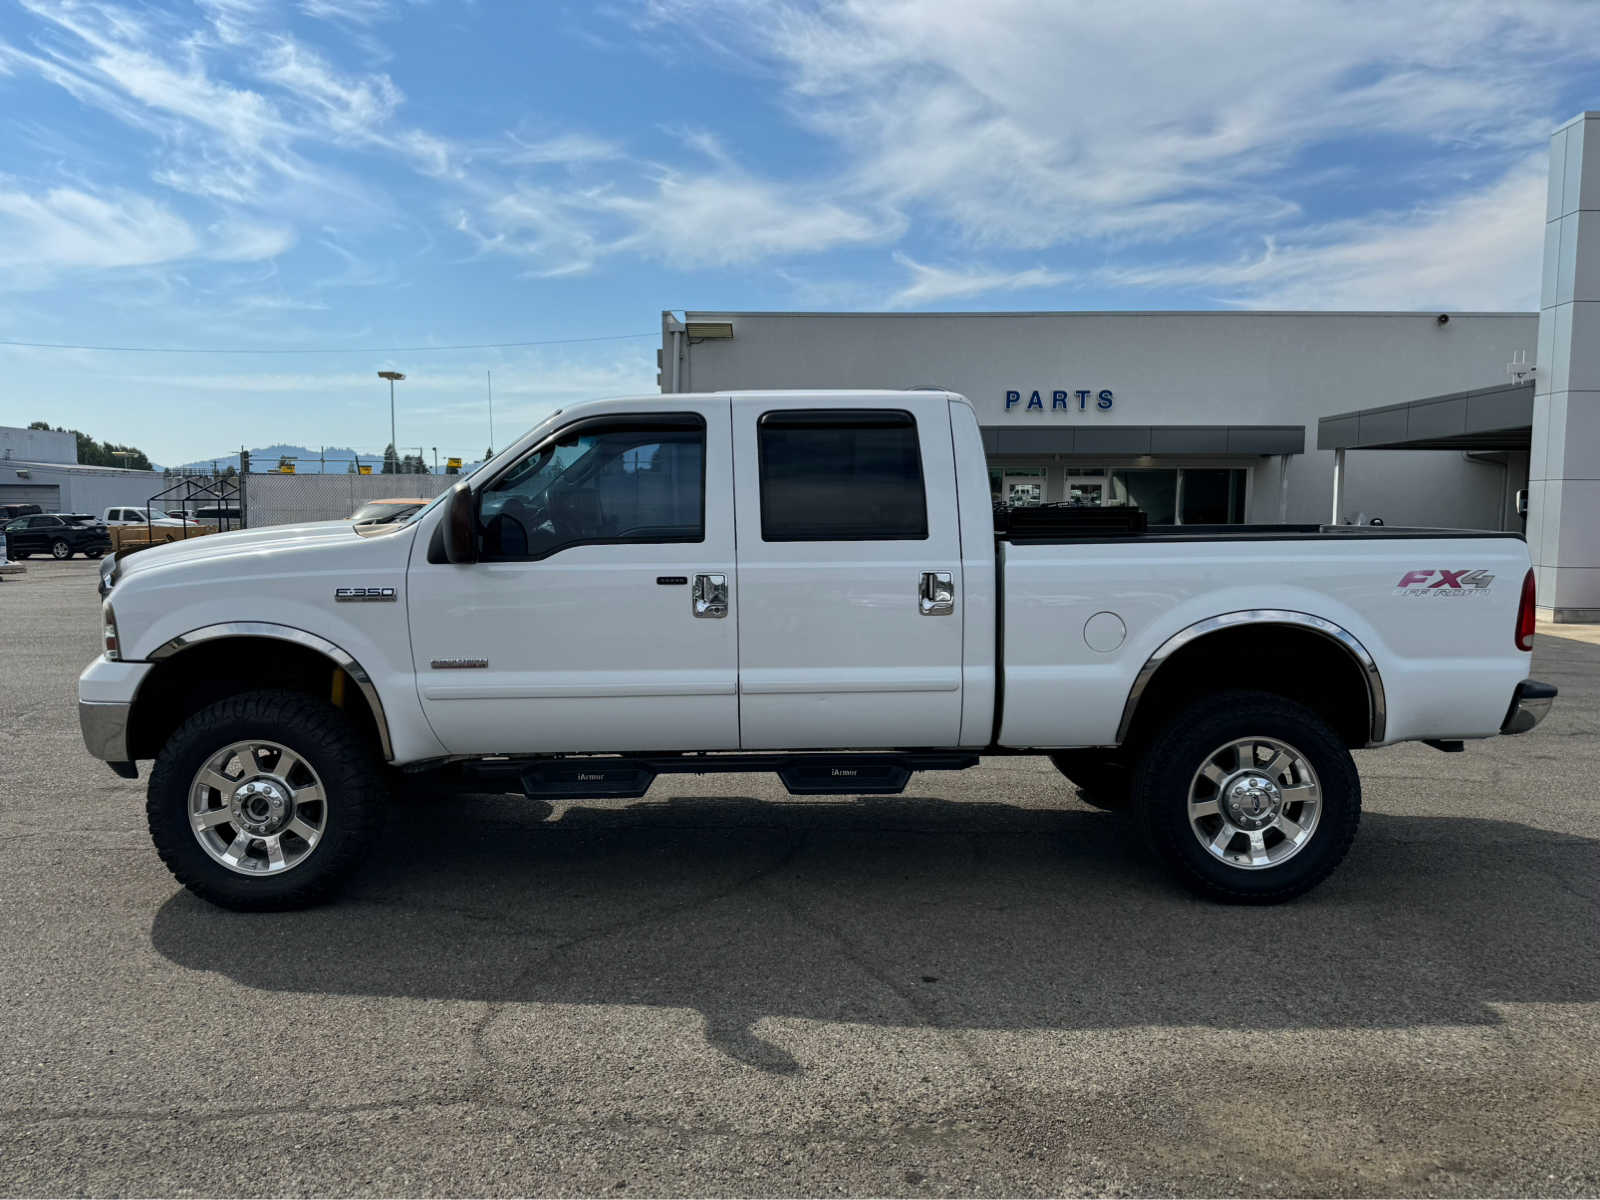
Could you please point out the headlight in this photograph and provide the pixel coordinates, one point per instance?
(109, 620)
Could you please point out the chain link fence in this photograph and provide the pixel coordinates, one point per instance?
(271, 499)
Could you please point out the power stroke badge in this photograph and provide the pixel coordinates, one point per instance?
(1436, 581)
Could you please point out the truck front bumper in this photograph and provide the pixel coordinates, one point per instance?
(1530, 704)
(106, 690)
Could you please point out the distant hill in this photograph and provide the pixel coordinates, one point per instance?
(332, 460)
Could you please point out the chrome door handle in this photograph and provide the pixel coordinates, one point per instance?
(710, 596)
(936, 594)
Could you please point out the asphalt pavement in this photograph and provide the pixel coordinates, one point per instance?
(980, 987)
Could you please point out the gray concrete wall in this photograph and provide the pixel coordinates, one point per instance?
(295, 499)
(1564, 492)
(1204, 368)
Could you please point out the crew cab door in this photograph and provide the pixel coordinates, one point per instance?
(583, 628)
(849, 572)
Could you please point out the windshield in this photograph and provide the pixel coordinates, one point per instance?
(441, 497)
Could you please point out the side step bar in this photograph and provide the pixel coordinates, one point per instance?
(605, 777)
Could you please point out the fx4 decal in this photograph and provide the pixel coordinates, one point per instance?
(1439, 582)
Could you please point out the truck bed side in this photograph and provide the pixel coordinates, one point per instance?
(1436, 613)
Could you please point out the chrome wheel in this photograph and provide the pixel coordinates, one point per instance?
(257, 808)
(60, 550)
(1254, 803)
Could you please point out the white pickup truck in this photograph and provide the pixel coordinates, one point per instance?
(808, 583)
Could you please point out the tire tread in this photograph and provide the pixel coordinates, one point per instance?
(350, 776)
(1241, 709)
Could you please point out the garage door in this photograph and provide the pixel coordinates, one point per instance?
(46, 495)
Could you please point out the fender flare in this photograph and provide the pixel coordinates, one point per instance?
(288, 633)
(1377, 703)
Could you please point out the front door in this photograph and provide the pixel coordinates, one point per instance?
(582, 628)
(849, 573)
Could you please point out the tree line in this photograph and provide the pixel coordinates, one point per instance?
(101, 454)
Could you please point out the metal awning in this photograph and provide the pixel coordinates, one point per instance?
(1144, 439)
(1491, 418)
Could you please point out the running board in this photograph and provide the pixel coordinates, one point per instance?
(599, 778)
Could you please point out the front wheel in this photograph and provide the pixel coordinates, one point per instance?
(266, 800)
(1248, 797)
(59, 549)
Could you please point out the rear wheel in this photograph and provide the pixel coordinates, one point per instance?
(93, 553)
(1103, 781)
(267, 800)
(60, 549)
(1248, 797)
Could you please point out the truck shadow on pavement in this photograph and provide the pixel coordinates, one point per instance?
(919, 912)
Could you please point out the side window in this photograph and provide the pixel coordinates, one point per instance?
(606, 482)
(47, 522)
(835, 475)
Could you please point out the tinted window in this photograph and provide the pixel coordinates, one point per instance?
(45, 523)
(605, 482)
(1212, 497)
(841, 475)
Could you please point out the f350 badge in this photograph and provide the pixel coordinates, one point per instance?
(1438, 582)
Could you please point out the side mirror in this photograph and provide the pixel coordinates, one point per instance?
(461, 526)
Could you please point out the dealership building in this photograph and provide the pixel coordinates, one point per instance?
(1463, 419)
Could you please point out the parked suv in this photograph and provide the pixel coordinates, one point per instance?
(60, 535)
(10, 512)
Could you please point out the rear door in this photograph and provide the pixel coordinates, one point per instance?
(849, 572)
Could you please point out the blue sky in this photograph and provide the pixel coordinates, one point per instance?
(348, 174)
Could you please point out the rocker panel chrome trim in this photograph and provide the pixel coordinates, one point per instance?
(288, 633)
(1377, 707)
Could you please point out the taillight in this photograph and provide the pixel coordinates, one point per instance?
(1525, 613)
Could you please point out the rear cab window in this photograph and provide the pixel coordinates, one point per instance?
(830, 475)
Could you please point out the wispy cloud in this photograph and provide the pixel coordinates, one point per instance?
(1478, 251)
(930, 284)
(65, 227)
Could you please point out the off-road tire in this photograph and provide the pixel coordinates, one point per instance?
(1103, 782)
(351, 776)
(1170, 759)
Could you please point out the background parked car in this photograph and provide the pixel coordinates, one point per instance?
(218, 516)
(10, 512)
(387, 511)
(139, 515)
(60, 535)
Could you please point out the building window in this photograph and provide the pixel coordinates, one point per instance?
(841, 475)
(1212, 497)
(1154, 491)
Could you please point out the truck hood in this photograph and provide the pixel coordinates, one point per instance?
(244, 541)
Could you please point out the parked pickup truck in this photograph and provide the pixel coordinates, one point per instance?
(805, 583)
(130, 515)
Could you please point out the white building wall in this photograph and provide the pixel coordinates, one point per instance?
(1164, 368)
(37, 445)
(84, 489)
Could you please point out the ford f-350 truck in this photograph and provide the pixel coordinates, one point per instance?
(813, 584)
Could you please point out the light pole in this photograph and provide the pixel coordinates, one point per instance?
(391, 376)
(436, 460)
